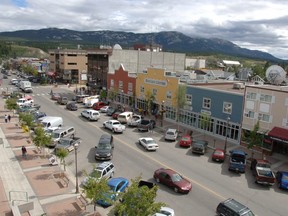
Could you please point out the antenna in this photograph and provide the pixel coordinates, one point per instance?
(275, 74)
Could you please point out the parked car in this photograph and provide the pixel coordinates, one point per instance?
(104, 148)
(111, 111)
(282, 179)
(117, 185)
(104, 109)
(103, 170)
(165, 211)
(114, 125)
(261, 169)
(116, 114)
(67, 143)
(55, 96)
(146, 125)
(237, 161)
(171, 134)
(62, 100)
(148, 143)
(185, 141)
(90, 114)
(135, 120)
(199, 146)
(172, 179)
(218, 155)
(99, 105)
(72, 106)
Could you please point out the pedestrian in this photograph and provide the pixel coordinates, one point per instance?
(9, 118)
(24, 151)
(6, 118)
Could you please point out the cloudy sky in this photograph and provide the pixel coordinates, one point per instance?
(253, 24)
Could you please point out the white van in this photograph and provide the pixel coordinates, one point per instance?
(51, 121)
(125, 117)
(63, 132)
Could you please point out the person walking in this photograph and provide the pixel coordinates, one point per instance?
(24, 152)
(6, 118)
(9, 117)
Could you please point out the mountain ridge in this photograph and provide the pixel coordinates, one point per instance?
(171, 41)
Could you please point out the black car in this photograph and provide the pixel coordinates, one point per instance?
(105, 147)
(199, 146)
(146, 125)
(72, 106)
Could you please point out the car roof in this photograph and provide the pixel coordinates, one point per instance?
(103, 165)
(147, 138)
(115, 181)
(168, 171)
(172, 129)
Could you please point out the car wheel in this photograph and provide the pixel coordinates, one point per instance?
(157, 180)
(176, 189)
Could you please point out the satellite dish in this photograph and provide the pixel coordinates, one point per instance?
(275, 74)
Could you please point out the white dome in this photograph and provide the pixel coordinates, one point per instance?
(117, 46)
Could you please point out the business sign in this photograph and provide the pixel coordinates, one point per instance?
(155, 82)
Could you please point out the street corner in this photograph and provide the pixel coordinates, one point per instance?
(67, 207)
(32, 158)
(50, 181)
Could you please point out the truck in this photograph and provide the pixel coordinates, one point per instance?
(261, 169)
(67, 143)
(25, 86)
(237, 161)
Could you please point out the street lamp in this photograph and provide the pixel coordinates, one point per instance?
(226, 133)
(162, 112)
(76, 145)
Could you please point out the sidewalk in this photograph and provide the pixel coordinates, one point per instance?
(31, 185)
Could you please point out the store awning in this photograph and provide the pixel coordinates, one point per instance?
(51, 73)
(279, 134)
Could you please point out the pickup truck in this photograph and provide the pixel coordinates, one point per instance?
(67, 143)
(261, 169)
(114, 125)
(135, 120)
(237, 161)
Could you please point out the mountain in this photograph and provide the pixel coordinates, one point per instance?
(171, 41)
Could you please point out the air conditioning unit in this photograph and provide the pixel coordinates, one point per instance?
(238, 86)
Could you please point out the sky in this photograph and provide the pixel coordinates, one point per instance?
(254, 24)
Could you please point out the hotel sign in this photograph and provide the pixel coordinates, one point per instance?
(155, 82)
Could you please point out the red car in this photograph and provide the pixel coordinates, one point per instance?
(99, 105)
(115, 115)
(218, 155)
(185, 141)
(172, 179)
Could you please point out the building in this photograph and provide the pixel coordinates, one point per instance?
(195, 63)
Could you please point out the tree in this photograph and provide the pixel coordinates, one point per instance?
(181, 101)
(96, 190)
(27, 122)
(150, 98)
(139, 201)
(255, 138)
(205, 122)
(11, 104)
(62, 154)
(112, 94)
(41, 138)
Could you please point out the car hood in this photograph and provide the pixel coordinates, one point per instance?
(183, 184)
(103, 151)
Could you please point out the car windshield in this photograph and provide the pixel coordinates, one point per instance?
(165, 212)
(170, 133)
(198, 145)
(150, 141)
(55, 135)
(176, 177)
(185, 138)
(218, 153)
(104, 146)
(116, 123)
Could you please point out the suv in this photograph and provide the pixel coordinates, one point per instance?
(171, 134)
(103, 170)
(146, 125)
(231, 207)
(199, 146)
(105, 147)
(62, 100)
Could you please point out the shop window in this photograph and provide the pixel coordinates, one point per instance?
(206, 103)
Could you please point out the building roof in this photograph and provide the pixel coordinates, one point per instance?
(228, 62)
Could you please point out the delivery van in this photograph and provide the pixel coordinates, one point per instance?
(51, 121)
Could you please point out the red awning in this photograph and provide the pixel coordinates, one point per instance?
(279, 133)
(51, 73)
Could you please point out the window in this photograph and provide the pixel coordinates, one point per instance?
(227, 107)
(266, 98)
(251, 95)
(130, 86)
(189, 99)
(72, 63)
(142, 89)
(169, 95)
(154, 92)
(249, 114)
(264, 117)
(112, 83)
(120, 84)
(206, 103)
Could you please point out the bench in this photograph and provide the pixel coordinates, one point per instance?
(82, 202)
(64, 180)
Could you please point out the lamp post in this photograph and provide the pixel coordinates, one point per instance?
(162, 112)
(226, 131)
(76, 167)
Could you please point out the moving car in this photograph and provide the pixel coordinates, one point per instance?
(103, 170)
(55, 96)
(185, 141)
(282, 179)
(199, 146)
(171, 134)
(148, 143)
(117, 185)
(172, 179)
(231, 207)
(62, 100)
(72, 106)
(105, 147)
(114, 125)
(90, 114)
(218, 155)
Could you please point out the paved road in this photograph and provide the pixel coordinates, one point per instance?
(212, 182)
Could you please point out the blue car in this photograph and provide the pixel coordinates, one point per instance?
(282, 179)
(116, 185)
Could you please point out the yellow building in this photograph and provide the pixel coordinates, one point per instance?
(162, 84)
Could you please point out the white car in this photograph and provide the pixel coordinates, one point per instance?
(26, 101)
(114, 125)
(148, 143)
(165, 211)
(134, 121)
(90, 114)
(171, 134)
(104, 109)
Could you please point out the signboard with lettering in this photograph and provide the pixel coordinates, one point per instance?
(155, 82)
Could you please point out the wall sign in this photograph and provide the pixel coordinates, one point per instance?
(155, 82)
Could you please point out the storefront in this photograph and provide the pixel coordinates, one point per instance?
(278, 139)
